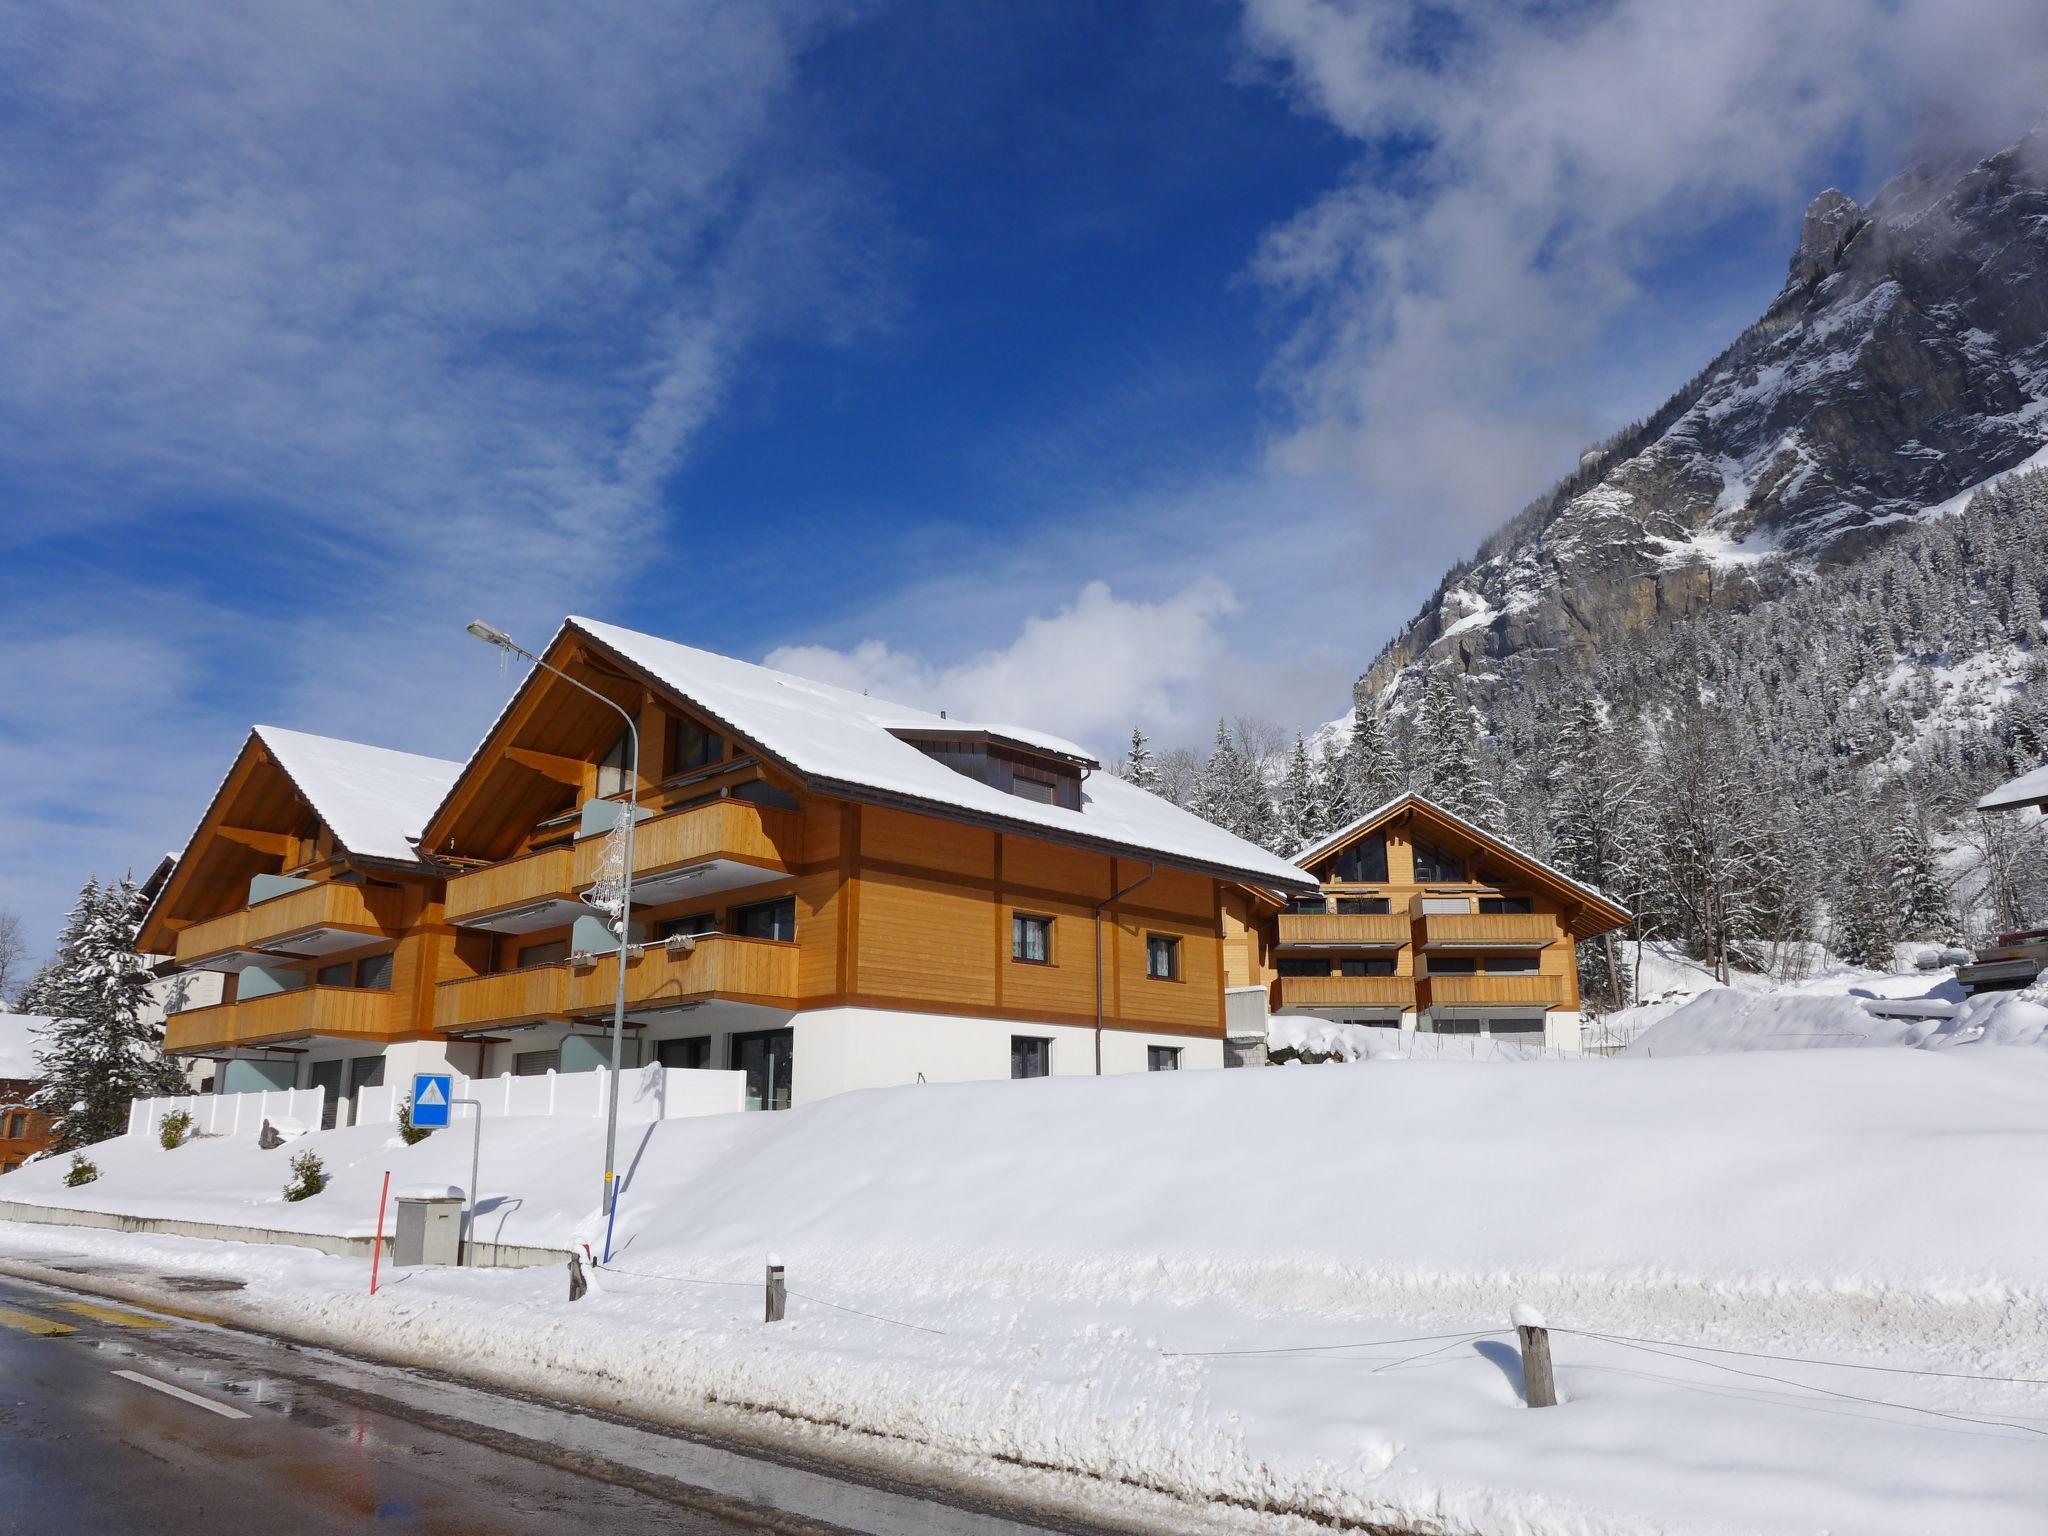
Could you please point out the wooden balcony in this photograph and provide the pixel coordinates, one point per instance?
(504, 891)
(1489, 930)
(1498, 992)
(320, 919)
(347, 1012)
(507, 998)
(722, 965)
(1377, 992)
(722, 831)
(1344, 930)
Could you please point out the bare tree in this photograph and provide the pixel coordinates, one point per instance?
(1263, 744)
(1180, 771)
(13, 955)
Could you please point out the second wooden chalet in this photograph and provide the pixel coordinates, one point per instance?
(1425, 922)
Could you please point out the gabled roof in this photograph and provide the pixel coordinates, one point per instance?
(2027, 789)
(21, 1047)
(1410, 801)
(841, 742)
(373, 800)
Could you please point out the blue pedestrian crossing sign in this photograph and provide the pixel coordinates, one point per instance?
(430, 1095)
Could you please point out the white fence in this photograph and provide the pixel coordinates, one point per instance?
(645, 1093)
(230, 1114)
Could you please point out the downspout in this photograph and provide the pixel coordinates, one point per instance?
(1150, 871)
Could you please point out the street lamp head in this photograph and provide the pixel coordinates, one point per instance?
(490, 634)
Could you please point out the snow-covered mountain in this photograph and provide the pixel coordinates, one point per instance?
(1905, 361)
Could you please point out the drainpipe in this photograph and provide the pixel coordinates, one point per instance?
(1150, 871)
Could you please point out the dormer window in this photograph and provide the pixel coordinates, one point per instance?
(1031, 784)
(611, 768)
(691, 745)
(1003, 762)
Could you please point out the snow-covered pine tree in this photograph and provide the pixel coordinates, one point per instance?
(1598, 835)
(99, 1051)
(1865, 925)
(1301, 806)
(1372, 774)
(1449, 762)
(1138, 767)
(1913, 877)
(1232, 795)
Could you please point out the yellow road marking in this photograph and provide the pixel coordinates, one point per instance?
(28, 1322)
(112, 1315)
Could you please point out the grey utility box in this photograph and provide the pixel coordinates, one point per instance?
(429, 1230)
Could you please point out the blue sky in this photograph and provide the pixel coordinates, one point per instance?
(1092, 366)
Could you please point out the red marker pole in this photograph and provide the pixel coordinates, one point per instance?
(377, 1248)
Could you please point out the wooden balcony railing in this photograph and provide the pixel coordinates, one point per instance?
(509, 997)
(1338, 930)
(352, 1012)
(722, 965)
(1488, 930)
(1346, 991)
(1497, 992)
(374, 912)
(547, 875)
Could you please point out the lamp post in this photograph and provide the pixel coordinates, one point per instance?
(491, 635)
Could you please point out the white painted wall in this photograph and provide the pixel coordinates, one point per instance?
(841, 1049)
(645, 1094)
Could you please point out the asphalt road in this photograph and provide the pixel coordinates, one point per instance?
(115, 1418)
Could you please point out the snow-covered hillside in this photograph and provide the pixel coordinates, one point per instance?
(1067, 1274)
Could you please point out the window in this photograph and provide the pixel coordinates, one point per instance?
(1031, 939)
(691, 745)
(1458, 1026)
(1453, 965)
(1030, 1056)
(1363, 906)
(1433, 864)
(1162, 1058)
(1162, 957)
(696, 925)
(1288, 965)
(1031, 785)
(766, 920)
(768, 1058)
(1301, 905)
(1515, 1027)
(1504, 904)
(550, 952)
(694, 1054)
(611, 768)
(17, 1126)
(536, 1063)
(1510, 965)
(1368, 967)
(1364, 862)
(372, 971)
(365, 1072)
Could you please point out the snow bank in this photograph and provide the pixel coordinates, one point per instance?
(1893, 1011)
(1336, 1040)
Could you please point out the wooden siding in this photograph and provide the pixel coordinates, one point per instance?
(1523, 991)
(724, 829)
(722, 965)
(347, 1011)
(509, 997)
(1345, 991)
(375, 912)
(1332, 930)
(1487, 930)
(516, 882)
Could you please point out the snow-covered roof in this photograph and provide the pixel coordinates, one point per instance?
(2027, 789)
(20, 1048)
(374, 800)
(1344, 834)
(841, 740)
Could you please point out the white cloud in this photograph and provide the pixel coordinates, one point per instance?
(1090, 670)
(1524, 168)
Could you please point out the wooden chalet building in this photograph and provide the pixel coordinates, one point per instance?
(1425, 922)
(830, 892)
(302, 888)
(24, 1129)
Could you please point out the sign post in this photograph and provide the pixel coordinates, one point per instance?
(433, 1102)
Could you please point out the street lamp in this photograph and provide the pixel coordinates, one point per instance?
(491, 635)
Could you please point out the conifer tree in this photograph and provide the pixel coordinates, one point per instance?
(1301, 806)
(1138, 767)
(1449, 763)
(1919, 895)
(1598, 836)
(1372, 774)
(98, 1052)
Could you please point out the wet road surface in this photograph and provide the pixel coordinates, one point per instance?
(117, 1418)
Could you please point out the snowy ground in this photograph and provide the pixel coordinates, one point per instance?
(1091, 1257)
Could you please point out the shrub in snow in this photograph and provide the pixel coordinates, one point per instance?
(81, 1171)
(308, 1177)
(409, 1133)
(174, 1128)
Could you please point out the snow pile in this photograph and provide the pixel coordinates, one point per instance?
(1727, 1020)
(1313, 1039)
(1059, 1274)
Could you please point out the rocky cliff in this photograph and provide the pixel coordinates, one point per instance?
(1905, 360)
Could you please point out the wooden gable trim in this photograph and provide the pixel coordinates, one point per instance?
(155, 923)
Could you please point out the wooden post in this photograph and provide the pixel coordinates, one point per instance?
(777, 1297)
(1534, 1336)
